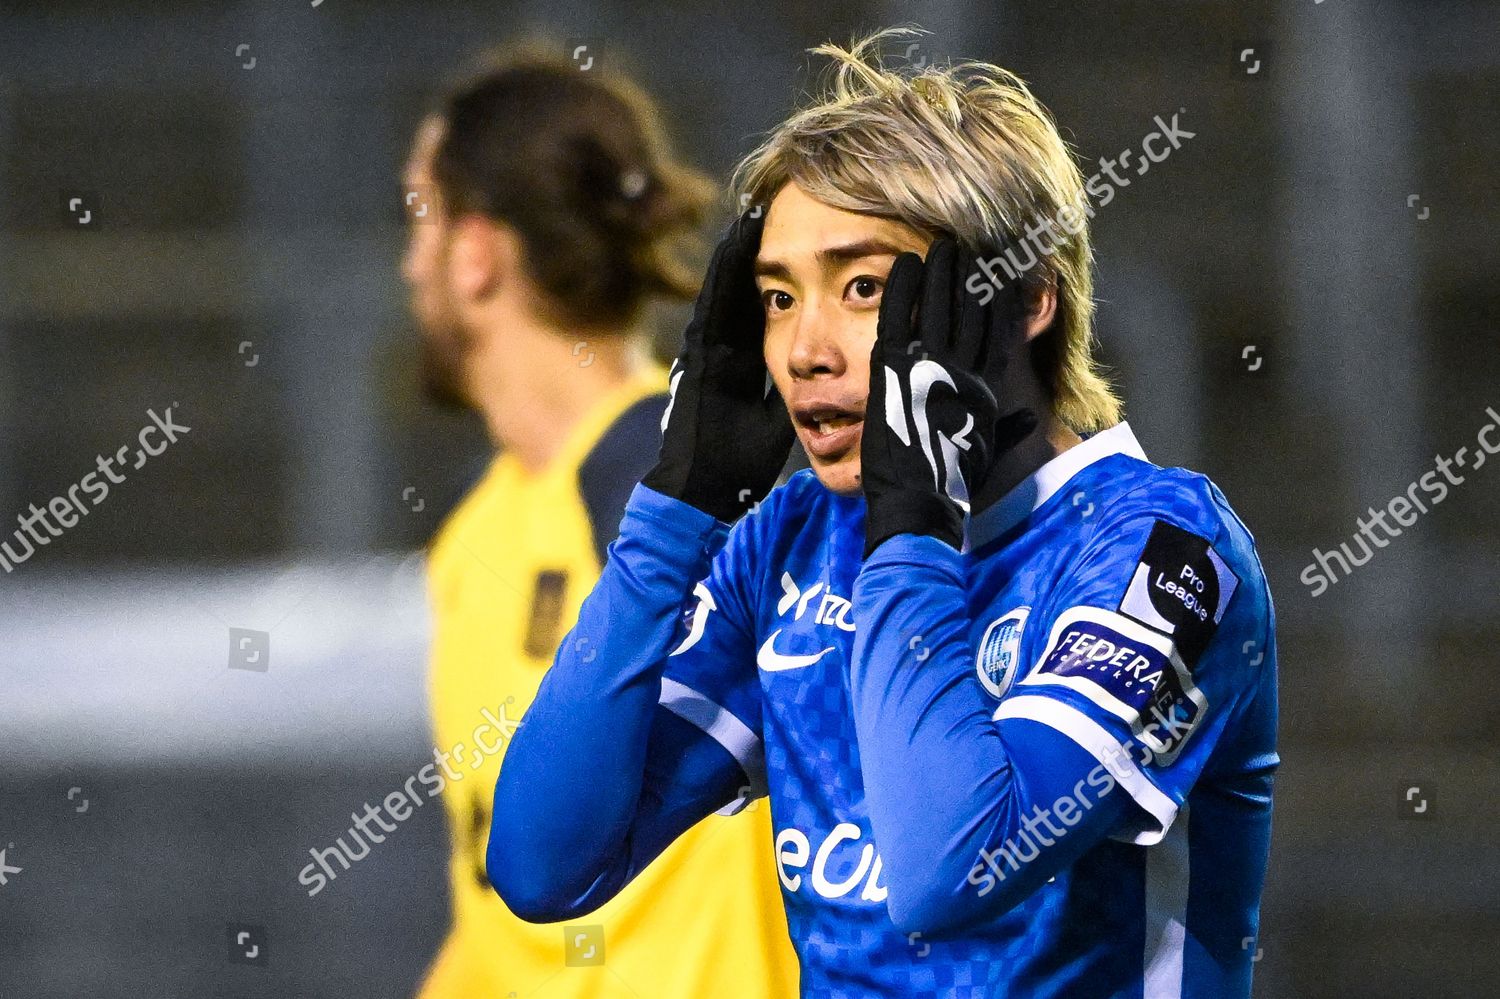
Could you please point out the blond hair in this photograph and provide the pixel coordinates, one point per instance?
(964, 150)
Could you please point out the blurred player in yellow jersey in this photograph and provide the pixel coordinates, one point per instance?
(554, 211)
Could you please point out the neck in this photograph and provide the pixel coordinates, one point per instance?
(534, 382)
(1048, 441)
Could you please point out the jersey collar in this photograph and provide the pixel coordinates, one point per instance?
(1037, 488)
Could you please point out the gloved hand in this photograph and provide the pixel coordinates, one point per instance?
(933, 426)
(726, 433)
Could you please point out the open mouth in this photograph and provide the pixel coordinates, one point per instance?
(827, 424)
(828, 431)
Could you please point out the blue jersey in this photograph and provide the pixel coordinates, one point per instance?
(1040, 767)
(1124, 606)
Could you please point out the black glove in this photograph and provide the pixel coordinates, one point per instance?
(933, 427)
(726, 433)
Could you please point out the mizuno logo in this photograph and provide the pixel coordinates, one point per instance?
(772, 661)
(832, 609)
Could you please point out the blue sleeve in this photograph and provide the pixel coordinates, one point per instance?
(954, 784)
(629, 742)
(1152, 649)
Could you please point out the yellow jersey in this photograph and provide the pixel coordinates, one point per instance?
(507, 574)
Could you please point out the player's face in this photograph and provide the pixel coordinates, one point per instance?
(425, 270)
(821, 271)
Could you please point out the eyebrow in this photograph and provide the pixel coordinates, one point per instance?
(832, 257)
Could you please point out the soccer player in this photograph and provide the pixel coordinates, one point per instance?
(1010, 687)
(547, 209)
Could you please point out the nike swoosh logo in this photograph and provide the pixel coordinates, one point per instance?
(772, 661)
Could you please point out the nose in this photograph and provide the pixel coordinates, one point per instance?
(815, 345)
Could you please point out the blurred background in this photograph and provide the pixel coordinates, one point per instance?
(200, 209)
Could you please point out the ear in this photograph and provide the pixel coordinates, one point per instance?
(1042, 310)
(483, 257)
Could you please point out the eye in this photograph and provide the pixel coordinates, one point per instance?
(864, 290)
(775, 300)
